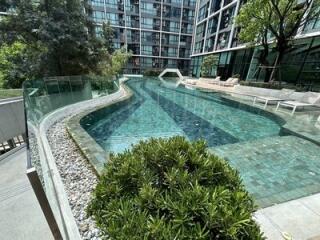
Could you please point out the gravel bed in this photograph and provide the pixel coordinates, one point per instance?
(77, 175)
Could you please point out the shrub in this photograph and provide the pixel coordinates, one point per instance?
(172, 189)
(152, 73)
(236, 75)
(209, 62)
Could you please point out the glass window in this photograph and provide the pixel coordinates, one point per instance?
(227, 18)
(213, 23)
(113, 18)
(112, 4)
(223, 40)
(149, 8)
(174, 26)
(98, 16)
(146, 50)
(98, 3)
(215, 5)
(147, 23)
(203, 12)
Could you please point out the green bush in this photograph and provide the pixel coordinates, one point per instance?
(152, 73)
(172, 189)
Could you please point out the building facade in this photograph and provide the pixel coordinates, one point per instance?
(215, 33)
(158, 32)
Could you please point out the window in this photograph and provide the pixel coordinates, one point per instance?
(174, 26)
(146, 50)
(226, 19)
(147, 23)
(149, 8)
(112, 4)
(173, 39)
(98, 16)
(223, 40)
(98, 3)
(215, 5)
(203, 13)
(213, 23)
(113, 18)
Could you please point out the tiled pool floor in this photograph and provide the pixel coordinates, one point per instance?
(275, 169)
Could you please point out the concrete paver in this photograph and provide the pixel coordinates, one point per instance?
(20, 213)
(299, 218)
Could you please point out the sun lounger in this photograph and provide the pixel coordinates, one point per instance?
(282, 95)
(307, 100)
(211, 80)
(229, 83)
(191, 81)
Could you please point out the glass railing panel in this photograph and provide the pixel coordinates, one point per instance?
(42, 97)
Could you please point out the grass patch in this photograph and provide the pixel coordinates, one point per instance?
(10, 93)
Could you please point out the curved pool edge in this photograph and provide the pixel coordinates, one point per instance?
(92, 151)
(290, 125)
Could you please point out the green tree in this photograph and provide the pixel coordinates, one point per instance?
(276, 20)
(62, 27)
(18, 62)
(208, 63)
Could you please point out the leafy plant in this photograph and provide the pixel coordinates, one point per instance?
(71, 45)
(208, 63)
(114, 66)
(152, 72)
(18, 62)
(172, 189)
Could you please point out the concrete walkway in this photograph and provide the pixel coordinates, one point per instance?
(20, 214)
(298, 219)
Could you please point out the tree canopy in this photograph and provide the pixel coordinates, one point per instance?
(277, 21)
(61, 34)
(208, 63)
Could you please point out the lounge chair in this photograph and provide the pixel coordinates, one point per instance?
(229, 83)
(282, 95)
(308, 99)
(190, 81)
(211, 80)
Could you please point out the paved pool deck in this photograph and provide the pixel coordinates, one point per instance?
(20, 214)
(298, 219)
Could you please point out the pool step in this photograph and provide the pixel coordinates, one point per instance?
(275, 169)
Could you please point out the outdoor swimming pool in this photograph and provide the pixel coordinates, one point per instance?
(157, 111)
(273, 167)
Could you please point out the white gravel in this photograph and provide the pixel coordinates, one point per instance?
(77, 175)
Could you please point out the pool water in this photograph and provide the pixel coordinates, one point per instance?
(157, 111)
(274, 168)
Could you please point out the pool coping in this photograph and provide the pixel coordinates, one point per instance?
(93, 152)
(98, 156)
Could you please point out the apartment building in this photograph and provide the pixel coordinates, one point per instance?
(215, 33)
(158, 32)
